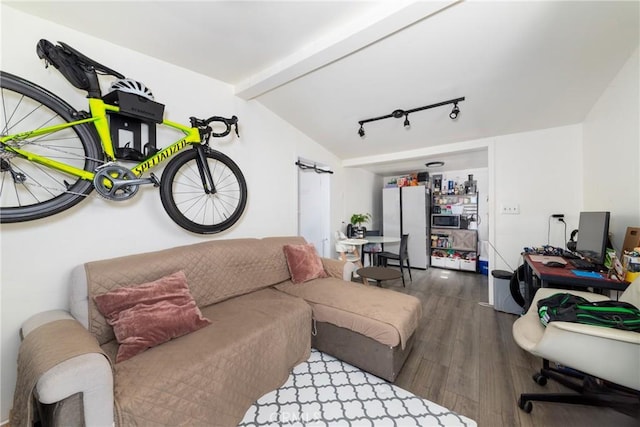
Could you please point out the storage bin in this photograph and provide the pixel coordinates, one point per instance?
(437, 261)
(467, 265)
(452, 263)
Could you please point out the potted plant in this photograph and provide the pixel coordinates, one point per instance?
(358, 220)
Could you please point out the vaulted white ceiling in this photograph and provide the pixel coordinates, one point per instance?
(324, 65)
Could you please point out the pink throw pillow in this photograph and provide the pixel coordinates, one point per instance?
(146, 315)
(304, 263)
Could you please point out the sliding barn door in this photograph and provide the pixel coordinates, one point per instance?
(314, 209)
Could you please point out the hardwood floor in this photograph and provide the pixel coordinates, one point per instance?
(465, 358)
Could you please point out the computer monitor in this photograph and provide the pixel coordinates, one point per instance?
(593, 235)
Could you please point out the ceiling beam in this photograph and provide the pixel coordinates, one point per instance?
(385, 20)
(409, 155)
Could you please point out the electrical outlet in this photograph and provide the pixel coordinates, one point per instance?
(509, 208)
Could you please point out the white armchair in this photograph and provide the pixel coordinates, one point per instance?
(605, 361)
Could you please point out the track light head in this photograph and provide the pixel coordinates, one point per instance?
(361, 131)
(407, 125)
(398, 113)
(454, 113)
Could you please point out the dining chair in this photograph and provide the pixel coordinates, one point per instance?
(402, 256)
(372, 248)
(348, 253)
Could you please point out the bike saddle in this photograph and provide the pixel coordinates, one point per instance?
(47, 50)
(90, 62)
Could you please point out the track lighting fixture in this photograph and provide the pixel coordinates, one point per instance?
(399, 113)
(454, 113)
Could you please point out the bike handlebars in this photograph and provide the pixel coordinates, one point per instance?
(206, 130)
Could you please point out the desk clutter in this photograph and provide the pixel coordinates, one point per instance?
(625, 268)
(589, 274)
(631, 254)
(547, 250)
(631, 264)
(551, 256)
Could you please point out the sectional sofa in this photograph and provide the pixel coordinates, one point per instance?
(195, 334)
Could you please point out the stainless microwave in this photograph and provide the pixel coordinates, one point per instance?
(445, 221)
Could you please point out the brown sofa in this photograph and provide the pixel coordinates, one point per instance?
(260, 329)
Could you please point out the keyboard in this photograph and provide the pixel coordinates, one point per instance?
(569, 255)
(582, 264)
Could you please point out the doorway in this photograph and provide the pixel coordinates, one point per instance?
(314, 211)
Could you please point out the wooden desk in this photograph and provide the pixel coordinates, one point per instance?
(538, 275)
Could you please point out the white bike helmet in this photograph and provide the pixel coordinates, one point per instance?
(132, 86)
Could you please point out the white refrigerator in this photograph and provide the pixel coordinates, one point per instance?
(405, 210)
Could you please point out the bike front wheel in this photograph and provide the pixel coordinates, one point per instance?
(30, 190)
(188, 201)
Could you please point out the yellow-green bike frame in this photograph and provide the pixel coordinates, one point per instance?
(99, 118)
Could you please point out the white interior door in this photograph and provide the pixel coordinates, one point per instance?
(314, 209)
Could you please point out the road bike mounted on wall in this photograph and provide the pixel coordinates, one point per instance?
(52, 156)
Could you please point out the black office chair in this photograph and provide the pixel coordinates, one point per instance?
(371, 248)
(401, 257)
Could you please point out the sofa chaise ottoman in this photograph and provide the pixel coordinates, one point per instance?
(366, 326)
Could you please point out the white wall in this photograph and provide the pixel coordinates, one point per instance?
(363, 194)
(37, 256)
(611, 153)
(541, 172)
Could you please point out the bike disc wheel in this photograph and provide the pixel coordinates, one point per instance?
(29, 190)
(185, 200)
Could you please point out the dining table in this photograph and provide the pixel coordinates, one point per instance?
(383, 239)
(379, 240)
